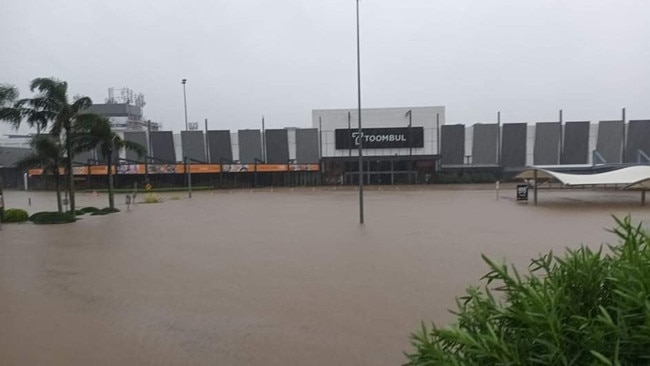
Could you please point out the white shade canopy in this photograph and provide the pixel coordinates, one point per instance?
(633, 177)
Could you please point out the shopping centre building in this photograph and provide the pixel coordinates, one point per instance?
(405, 145)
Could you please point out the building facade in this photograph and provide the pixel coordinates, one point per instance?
(400, 145)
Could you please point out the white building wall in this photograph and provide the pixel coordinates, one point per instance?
(469, 139)
(178, 148)
(291, 139)
(593, 138)
(530, 144)
(234, 143)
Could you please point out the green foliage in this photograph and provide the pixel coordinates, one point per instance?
(52, 217)
(82, 211)
(585, 308)
(89, 209)
(152, 198)
(104, 211)
(15, 215)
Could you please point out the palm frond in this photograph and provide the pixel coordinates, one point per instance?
(81, 105)
(8, 94)
(8, 111)
(133, 146)
(29, 161)
(51, 88)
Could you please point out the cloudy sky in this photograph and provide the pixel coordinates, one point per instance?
(283, 58)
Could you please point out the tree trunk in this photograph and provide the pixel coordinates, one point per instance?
(111, 198)
(68, 168)
(57, 185)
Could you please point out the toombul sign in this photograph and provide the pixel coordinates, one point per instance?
(380, 138)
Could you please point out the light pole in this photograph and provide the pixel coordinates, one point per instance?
(359, 110)
(184, 81)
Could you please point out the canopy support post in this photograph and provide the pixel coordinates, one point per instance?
(643, 197)
(535, 187)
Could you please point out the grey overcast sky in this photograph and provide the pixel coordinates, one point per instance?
(283, 58)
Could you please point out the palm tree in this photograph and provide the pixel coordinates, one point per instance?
(51, 106)
(94, 131)
(8, 113)
(47, 153)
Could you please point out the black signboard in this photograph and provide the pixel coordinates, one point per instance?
(380, 138)
(522, 192)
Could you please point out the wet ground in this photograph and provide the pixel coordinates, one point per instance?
(265, 277)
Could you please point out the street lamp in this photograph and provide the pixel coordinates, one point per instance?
(359, 110)
(184, 81)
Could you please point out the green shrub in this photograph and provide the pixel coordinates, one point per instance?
(15, 215)
(52, 217)
(585, 308)
(89, 209)
(152, 198)
(104, 211)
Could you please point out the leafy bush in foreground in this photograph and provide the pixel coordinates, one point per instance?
(585, 308)
(15, 215)
(54, 217)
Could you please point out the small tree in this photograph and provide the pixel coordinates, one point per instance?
(51, 107)
(47, 153)
(94, 131)
(585, 308)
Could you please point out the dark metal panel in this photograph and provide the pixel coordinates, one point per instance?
(513, 145)
(452, 147)
(9, 156)
(610, 140)
(307, 146)
(250, 146)
(139, 137)
(638, 138)
(575, 149)
(484, 144)
(85, 157)
(219, 146)
(162, 146)
(99, 158)
(277, 146)
(193, 145)
(547, 143)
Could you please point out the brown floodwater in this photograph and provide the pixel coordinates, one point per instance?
(264, 277)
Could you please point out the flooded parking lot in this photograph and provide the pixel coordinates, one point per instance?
(267, 277)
